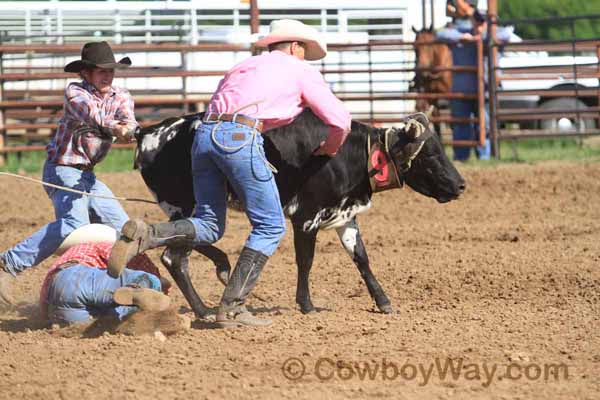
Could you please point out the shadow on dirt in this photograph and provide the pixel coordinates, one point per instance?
(21, 317)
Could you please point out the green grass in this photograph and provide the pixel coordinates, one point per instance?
(528, 151)
(117, 160)
(537, 150)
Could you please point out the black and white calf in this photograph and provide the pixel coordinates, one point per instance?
(317, 192)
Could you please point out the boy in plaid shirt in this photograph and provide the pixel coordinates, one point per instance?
(91, 106)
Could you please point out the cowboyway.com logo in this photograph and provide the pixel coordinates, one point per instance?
(331, 369)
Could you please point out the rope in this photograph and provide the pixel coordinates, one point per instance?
(66, 189)
(256, 103)
(251, 139)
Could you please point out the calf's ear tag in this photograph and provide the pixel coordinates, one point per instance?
(380, 166)
(381, 170)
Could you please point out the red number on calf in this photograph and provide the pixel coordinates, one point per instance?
(379, 163)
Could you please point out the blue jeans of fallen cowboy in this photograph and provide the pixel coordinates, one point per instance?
(227, 151)
(71, 210)
(79, 293)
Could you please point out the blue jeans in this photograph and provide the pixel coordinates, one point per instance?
(236, 155)
(469, 131)
(72, 210)
(80, 293)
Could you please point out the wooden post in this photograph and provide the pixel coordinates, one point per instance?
(254, 16)
(2, 116)
(598, 76)
(184, 86)
(481, 92)
(254, 22)
(492, 63)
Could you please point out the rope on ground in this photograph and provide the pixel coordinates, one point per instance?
(66, 189)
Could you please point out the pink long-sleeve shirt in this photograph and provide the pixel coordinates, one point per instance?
(282, 86)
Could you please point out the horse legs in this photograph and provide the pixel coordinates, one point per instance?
(351, 240)
(304, 244)
(176, 260)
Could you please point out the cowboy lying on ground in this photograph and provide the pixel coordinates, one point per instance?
(261, 93)
(72, 154)
(77, 288)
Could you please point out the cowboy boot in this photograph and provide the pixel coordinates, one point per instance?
(5, 284)
(232, 312)
(137, 237)
(146, 299)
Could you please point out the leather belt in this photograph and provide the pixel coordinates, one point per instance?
(239, 119)
(68, 263)
(61, 267)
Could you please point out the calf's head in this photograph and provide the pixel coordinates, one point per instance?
(422, 162)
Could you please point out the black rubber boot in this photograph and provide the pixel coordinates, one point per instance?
(137, 237)
(232, 312)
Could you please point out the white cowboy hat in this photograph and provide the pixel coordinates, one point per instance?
(290, 30)
(91, 233)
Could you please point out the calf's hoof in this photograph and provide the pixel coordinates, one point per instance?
(307, 308)
(223, 272)
(385, 308)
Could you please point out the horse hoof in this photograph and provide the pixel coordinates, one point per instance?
(386, 308)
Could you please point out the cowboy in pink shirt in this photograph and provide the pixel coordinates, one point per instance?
(260, 93)
(279, 86)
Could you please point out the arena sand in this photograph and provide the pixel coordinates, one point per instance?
(500, 289)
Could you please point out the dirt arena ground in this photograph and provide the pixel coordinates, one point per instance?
(504, 284)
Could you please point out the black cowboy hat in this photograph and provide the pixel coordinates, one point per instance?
(97, 54)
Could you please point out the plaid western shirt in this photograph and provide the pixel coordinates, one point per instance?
(94, 255)
(83, 103)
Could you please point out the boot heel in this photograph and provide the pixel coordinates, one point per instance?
(132, 229)
(126, 247)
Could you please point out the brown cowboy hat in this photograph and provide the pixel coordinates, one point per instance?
(97, 54)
